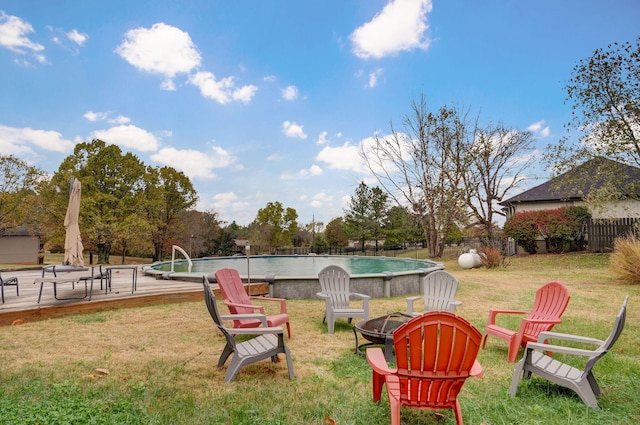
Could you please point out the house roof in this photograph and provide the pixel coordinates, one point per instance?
(578, 182)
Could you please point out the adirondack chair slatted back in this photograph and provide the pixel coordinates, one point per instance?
(440, 289)
(550, 302)
(334, 282)
(618, 326)
(212, 307)
(434, 353)
(233, 291)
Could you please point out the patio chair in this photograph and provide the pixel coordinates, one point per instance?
(11, 281)
(268, 343)
(439, 289)
(581, 381)
(99, 274)
(435, 354)
(238, 302)
(550, 302)
(334, 281)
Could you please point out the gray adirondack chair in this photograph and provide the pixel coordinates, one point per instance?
(581, 381)
(334, 281)
(439, 289)
(268, 343)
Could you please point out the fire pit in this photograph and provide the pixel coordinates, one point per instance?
(379, 331)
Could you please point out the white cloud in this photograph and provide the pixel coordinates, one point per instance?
(222, 91)
(104, 116)
(245, 93)
(345, 157)
(17, 139)
(290, 93)
(13, 35)
(291, 129)
(161, 49)
(539, 129)
(193, 163)
(274, 157)
(128, 136)
(95, 116)
(320, 200)
(373, 78)
(314, 170)
(322, 138)
(120, 119)
(400, 26)
(229, 205)
(77, 37)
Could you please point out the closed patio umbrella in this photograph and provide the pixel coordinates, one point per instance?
(73, 242)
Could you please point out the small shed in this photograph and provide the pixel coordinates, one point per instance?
(20, 246)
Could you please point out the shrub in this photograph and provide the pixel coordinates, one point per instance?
(625, 260)
(491, 257)
(522, 227)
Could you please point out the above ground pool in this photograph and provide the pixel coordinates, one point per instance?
(296, 276)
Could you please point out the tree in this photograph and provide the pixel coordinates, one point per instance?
(168, 193)
(401, 227)
(279, 224)
(422, 168)
(604, 92)
(366, 214)
(18, 187)
(334, 233)
(118, 194)
(497, 159)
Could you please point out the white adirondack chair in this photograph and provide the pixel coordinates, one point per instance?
(439, 288)
(334, 282)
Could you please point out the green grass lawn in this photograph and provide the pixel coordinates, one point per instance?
(161, 362)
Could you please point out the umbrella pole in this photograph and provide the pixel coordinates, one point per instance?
(247, 249)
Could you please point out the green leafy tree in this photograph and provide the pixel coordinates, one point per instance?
(19, 184)
(168, 193)
(278, 224)
(366, 214)
(604, 93)
(334, 233)
(401, 227)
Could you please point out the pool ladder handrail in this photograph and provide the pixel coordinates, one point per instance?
(175, 248)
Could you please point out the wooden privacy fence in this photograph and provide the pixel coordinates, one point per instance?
(601, 233)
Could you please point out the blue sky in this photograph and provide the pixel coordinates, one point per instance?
(262, 101)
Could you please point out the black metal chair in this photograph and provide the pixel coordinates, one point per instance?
(12, 281)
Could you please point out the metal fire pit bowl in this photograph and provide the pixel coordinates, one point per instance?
(379, 331)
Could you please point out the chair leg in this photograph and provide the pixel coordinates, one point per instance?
(458, 413)
(517, 374)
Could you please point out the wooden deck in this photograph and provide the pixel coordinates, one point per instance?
(149, 291)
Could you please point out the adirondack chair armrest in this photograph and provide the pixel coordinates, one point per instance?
(559, 349)
(375, 358)
(410, 302)
(243, 316)
(455, 303)
(361, 296)
(251, 306)
(544, 336)
(493, 313)
(476, 370)
(276, 330)
(282, 301)
(540, 322)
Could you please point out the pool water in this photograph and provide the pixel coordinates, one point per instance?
(297, 265)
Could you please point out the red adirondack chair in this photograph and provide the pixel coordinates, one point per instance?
(236, 298)
(550, 302)
(435, 353)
